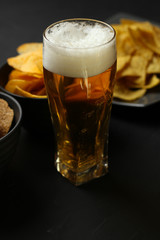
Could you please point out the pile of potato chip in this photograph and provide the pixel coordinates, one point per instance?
(138, 59)
(26, 78)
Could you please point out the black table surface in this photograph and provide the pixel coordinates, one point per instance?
(35, 201)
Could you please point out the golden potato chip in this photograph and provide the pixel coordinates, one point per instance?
(12, 84)
(29, 47)
(26, 85)
(122, 62)
(137, 39)
(16, 74)
(122, 92)
(125, 44)
(24, 93)
(27, 78)
(144, 34)
(25, 81)
(157, 35)
(34, 85)
(151, 82)
(30, 62)
(137, 70)
(154, 65)
(144, 52)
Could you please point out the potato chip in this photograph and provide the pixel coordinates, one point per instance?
(125, 44)
(30, 62)
(154, 65)
(157, 35)
(122, 62)
(16, 74)
(12, 84)
(122, 92)
(136, 70)
(146, 36)
(29, 86)
(151, 82)
(140, 48)
(24, 93)
(29, 47)
(26, 78)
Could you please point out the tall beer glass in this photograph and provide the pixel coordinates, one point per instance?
(79, 60)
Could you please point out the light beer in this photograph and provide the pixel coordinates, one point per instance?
(79, 60)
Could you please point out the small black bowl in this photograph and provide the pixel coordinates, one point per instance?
(36, 115)
(8, 143)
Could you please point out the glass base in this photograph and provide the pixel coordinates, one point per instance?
(79, 178)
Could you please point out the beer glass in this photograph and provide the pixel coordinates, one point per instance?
(79, 61)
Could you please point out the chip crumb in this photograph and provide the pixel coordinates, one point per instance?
(6, 117)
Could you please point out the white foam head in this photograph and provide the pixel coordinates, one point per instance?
(79, 48)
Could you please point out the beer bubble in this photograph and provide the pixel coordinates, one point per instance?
(79, 35)
(79, 48)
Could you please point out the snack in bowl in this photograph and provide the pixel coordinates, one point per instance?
(10, 125)
(6, 117)
(138, 59)
(26, 78)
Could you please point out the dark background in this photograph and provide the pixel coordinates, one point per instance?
(35, 201)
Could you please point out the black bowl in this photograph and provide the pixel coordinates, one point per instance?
(8, 143)
(36, 115)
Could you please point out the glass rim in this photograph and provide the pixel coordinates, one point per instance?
(79, 19)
